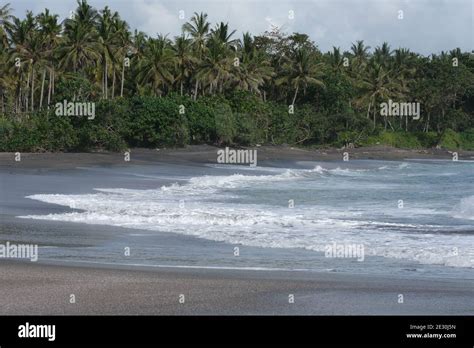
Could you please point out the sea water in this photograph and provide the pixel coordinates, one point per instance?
(400, 212)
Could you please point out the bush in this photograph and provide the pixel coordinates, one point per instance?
(450, 140)
(225, 124)
(395, 139)
(201, 120)
(467, 139)
(428, 139)
(156, 122)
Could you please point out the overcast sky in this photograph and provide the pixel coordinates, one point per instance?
(428, 26)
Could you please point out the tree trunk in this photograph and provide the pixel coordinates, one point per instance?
(50, 85)
(181, 88)
(113, 82)
(42, 88)
(123, 76)
(196, 90)
(374, 116)
(105, 72)
(428, 122)
(26, 90)
(32, 88)
(53, 84)
(294, 97)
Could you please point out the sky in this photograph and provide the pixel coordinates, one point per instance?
(424, 26)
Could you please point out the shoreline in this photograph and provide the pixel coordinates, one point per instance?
(201, 154)
(126, 291)
(45, 288)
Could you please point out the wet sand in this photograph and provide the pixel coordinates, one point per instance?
(208, 154)
(39, 289)
(34, 289)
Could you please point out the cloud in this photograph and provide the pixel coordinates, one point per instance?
(428, 26)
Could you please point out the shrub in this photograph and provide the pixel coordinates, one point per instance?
(450, 140)
(395, 139)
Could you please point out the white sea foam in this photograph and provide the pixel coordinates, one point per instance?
(465, 209)
(264, 225)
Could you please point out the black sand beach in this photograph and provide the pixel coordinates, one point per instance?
(208, 154)
(45, 287)
(34, 289)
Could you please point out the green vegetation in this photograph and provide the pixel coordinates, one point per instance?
(207, 86)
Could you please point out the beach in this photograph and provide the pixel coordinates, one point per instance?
(34, 289)
(208, 154)
(113, 234)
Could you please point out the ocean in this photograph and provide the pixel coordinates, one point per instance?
(411, 217)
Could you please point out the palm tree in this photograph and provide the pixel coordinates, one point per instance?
(254, 69)
(184, 60)
(49, 30)
(123, 48)
(215, 68)
(5, 18)
(198, 29)
(383, 54)
(376, 85)
(85, 14)
(360, 53)
(156, 66)
(107, 39)
(301, 71)
(5, 77)
(79, 48)
(27, 46)
(336, 60)
(222, 34)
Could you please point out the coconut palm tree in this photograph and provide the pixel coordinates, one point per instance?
(383, 54)
(376, 85)
(27, 49)
(360, 54)
(157, 64)
(107, 39)
(336, 60)
(301, 70)
(123, 47)
(198, 29)
(254, 69)
(49, 30)
(216, 66)
(79, 48)
(5, 19)
(221, 33)
(184, 60)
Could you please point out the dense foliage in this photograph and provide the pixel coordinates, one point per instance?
(206, 86)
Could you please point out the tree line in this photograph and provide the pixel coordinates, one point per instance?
(275, 87)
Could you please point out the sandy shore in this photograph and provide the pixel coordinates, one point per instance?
(208, 154)
(34, 289)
